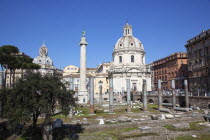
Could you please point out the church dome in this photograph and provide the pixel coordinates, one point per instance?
(43, 59)
(128, 41)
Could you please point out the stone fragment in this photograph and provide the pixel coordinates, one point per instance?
(177, 116)
(141, 119)
(205, 112)
(57, 123)
(106, 111)
(154, 117)
(164, 110)
(181, 125)
(101, 121)
(169, 116)
(145, 129)
(129, 120)
(113, 121)
(182, 109)
(162, 117)
(136, 119)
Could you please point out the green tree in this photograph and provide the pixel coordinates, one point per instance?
(11, 59)
(34, 95)
(7, 58)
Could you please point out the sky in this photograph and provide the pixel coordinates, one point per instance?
(163, 26)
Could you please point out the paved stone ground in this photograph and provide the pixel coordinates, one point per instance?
(156, 126)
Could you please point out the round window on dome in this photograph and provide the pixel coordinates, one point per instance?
(120, 44)
(131, 44)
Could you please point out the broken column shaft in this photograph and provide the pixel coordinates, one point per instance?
(186, 94)
(91, 95)
(128, 95)
(173, 93)
(159, 95)
(144, 95)
(111, 95)
(123, 95)
(100, 95)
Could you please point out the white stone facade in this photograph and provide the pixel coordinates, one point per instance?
(70, 69)
(129, 63)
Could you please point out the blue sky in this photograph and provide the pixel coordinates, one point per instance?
(163, 26)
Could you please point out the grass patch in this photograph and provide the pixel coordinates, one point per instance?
(130, 129)
(118, 134)
(134, 135)
(193, 126)
(60, 115)
(200, 137)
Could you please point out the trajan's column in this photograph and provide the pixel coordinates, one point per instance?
(83, 89)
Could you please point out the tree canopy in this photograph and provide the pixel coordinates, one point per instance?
(11, 59)
(34, 95)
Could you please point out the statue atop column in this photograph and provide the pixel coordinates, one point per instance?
(83, 39)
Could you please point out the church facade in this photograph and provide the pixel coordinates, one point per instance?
(129, 63)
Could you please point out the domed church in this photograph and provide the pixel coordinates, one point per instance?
(129, 63)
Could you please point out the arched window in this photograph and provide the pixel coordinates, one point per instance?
(120, 59)
(132, 58)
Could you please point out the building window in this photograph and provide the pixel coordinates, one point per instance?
(131, 44)
(120, 59)
(132, 58)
